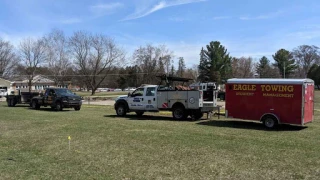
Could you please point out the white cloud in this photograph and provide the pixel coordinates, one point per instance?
(265, 16)
(16, 38)
(306, 35)
(103, 9)
(145, 11)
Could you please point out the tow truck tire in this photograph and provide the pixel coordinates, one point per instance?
(178, 113)
(139, 113)
(121, 110)
(59, 106)
(270, 122)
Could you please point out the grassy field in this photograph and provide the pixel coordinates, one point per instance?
(34, 145)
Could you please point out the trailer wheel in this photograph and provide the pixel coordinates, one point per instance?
(121, 110)
(270, 122)
(179, 113)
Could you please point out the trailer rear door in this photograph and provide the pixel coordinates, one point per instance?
(308, 102)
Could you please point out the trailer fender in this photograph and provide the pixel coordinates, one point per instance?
(269, 114)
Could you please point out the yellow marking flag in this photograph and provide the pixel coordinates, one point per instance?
(69, 137)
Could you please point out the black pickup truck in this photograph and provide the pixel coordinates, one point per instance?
(57, 98)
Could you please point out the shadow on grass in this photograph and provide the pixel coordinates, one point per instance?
(249, 125)
(49, 109)
(148, 118)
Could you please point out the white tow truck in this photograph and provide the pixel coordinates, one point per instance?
(182, 101)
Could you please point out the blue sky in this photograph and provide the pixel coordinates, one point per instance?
(245, 27)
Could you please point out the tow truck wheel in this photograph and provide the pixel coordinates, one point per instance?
(179, 113)
(121, 110)
(270, 122)
(139, 113)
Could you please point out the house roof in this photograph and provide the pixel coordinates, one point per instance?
(5, 80)
(36, 79)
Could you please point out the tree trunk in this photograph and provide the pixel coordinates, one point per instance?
(30, 84)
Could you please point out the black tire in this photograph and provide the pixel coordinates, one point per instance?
(179, 113)
(121, 110)
(270, 122)
(77, 108)
(139, 113)
(9, 102)
(35, 105)
(59, 106)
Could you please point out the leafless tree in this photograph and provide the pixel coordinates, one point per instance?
(152, 60)
(8, 59)
(58, 55)
(243, 67)
(95, 56)
(305, 57)
(32, 55)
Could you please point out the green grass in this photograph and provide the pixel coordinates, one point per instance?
(34, 145)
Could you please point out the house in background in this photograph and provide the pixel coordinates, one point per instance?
(39, 83)
(4, 84)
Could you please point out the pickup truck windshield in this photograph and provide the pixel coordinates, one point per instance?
(64, 91)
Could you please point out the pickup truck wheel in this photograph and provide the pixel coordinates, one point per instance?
(139, 113)
(59, 106)
(121, 110)
(77, 108)
(179, 113)
(35, 105)
(9, 102)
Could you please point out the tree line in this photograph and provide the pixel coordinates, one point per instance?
(217, 65)
(92, 60)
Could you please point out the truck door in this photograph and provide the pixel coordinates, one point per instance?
(150, 102)
(136, 99)
(49, 96)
